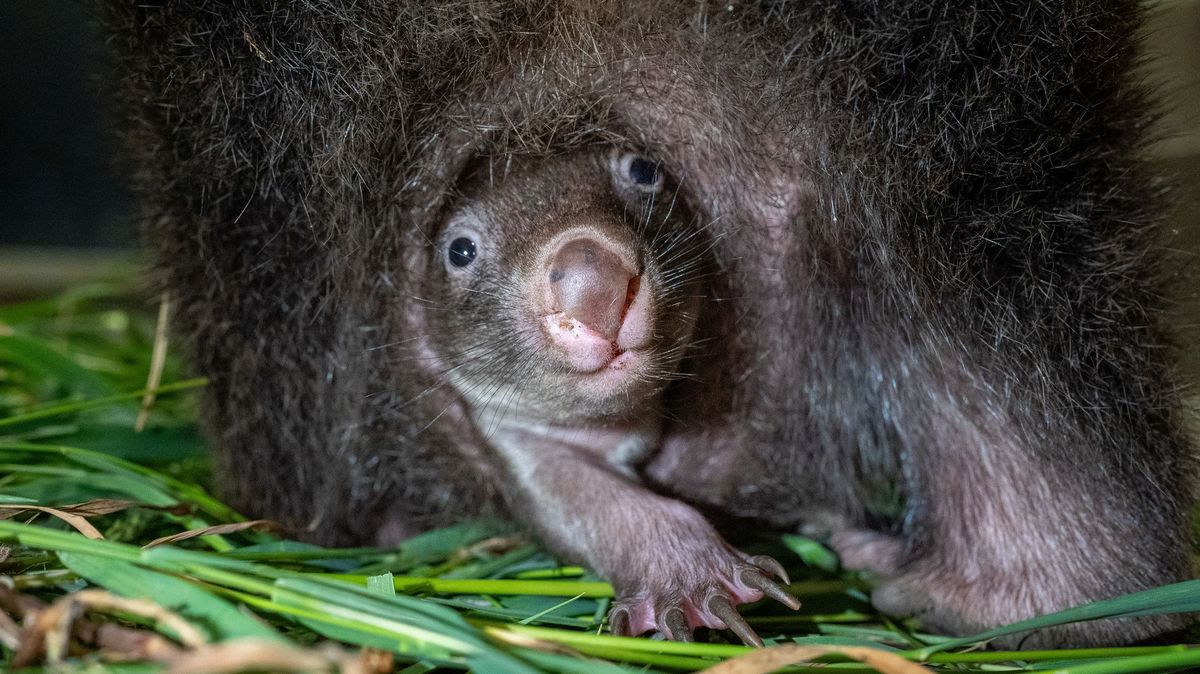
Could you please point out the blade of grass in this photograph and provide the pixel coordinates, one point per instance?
(59, 541)
(56, 409)
(567, 664)
(382, 584)
(399, 614)
(1176, 598)
(546, 574)
(494, 566)
(1163, 662)
(36, 355)
(539, 614)
(508, 614)
(347, 630)
(1116, 652)
(549, 588)
(401, 624)
(110, 464)
(307, 555)
(393, 607)
(582, 640)
(218, 618)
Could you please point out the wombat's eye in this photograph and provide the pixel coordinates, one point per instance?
(643, 172)
(639, 172)
(462, 251)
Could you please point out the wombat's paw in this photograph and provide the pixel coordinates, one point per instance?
(865, 550)
(704, 594)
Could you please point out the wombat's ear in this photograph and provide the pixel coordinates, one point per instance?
(635, 172)
(479, 169)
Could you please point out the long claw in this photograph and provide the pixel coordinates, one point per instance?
(771, 566)
(677, 626)
(618, 622)
(721, 607)
(753, 579)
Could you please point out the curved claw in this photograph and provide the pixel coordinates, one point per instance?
(676, 625)
(771, 566)
(618, 622)
(752, 578)
(720, 606)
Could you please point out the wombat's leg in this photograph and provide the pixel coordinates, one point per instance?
(671, 570)
(998, 534)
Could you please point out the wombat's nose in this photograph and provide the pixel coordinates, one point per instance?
(592, 284)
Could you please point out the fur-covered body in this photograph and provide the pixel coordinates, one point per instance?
(934, 241)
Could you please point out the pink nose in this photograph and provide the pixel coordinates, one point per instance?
(592, 284)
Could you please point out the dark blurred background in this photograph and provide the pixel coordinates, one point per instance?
(65, 217)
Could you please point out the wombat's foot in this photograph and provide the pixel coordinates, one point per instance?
(955, 606)
(960, 603)
(701, 593)
(871, 551)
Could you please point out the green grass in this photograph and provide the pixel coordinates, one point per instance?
(473, 596)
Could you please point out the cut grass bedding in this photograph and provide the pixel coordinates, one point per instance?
(115, 556)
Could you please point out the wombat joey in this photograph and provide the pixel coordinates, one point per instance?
(563, 292)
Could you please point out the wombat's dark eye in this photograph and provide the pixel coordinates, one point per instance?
(637, 172)
(643, 172)
(462, 251)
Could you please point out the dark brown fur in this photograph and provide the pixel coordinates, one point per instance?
(934, 237)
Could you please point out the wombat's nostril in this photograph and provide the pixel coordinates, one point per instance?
(590, 283)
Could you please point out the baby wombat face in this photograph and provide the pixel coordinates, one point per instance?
(566, 288)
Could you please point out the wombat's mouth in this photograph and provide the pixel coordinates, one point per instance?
(585, 350)
(624, 360)
(599, 369)
(581, 346)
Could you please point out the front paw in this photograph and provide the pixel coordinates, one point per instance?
(696, 593)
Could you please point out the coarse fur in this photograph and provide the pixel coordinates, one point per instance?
(559, 297)
(937, 329)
